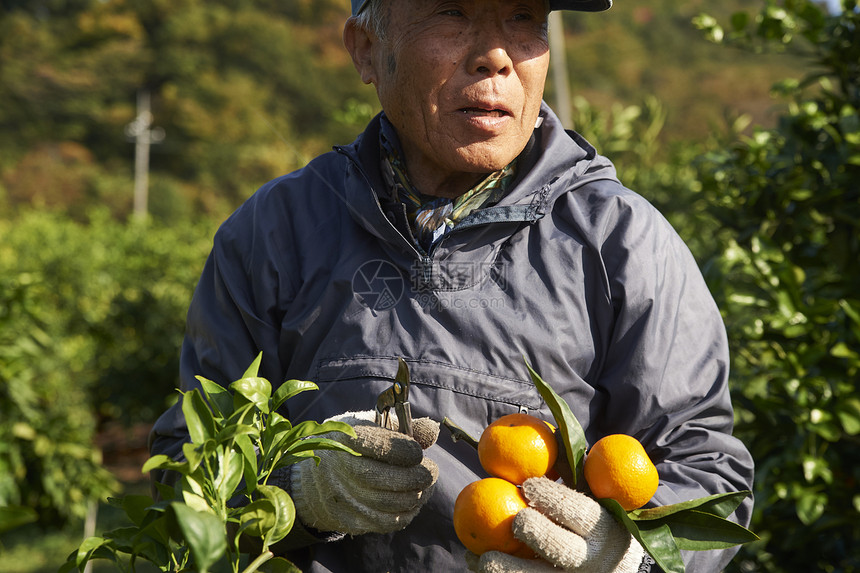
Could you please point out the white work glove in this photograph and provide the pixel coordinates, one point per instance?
(569, 531)
(378, 492)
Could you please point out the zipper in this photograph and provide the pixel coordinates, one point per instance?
(426, 269)
(508, 213)
(357, 166)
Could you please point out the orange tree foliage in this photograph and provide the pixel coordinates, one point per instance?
(785, 204)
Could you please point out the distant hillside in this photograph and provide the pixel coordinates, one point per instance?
(651, 47)
(246, 91)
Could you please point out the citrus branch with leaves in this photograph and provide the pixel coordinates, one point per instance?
(222, 495)
(696, 525)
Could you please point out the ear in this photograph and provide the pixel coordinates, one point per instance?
(359, 43)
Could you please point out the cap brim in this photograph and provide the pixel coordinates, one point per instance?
(581, 5)
(358, 6)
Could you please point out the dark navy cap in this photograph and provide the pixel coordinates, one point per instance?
(579, 5)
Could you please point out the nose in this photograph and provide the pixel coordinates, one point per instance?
(489, 54)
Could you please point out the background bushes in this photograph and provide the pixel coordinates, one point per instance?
(91, 319)
(786, 203)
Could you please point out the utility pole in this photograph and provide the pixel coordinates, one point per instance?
(139, 131)
(558, 59)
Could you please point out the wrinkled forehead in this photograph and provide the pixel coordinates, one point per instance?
(579, 5)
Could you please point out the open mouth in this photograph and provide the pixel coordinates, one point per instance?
(484, 112)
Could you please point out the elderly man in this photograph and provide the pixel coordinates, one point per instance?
(464, 230)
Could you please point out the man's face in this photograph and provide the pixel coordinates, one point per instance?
(462, 81)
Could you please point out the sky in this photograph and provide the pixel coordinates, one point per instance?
(833, 5)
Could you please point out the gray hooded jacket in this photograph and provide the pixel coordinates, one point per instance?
(571, 271)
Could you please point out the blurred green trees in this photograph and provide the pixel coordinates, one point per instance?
(244, 90)
(786, 270)
(91, 319)
(47, 462)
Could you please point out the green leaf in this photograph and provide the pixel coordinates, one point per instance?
(249, 456)
(572, 435)
(289, 389)
(697, 531)
(232, 431)
(258, 517)
(196, 502)
(654, 536)
(156, 528)
(165, 491)
(193, 489)
(196, 453)
(285, 513)
(162, 462)
(135, 507)
(815, 467)
(16, 516)
(660, 544)
(810, 506)
(254, 368)
(242, 415)
(723, 504)
(288, 459)
(92, 548)
(848, 412)
(720, 504)
(124, 538)
(230, 467)
(276, 432)
(218, 396)
(311, 444)
(827, 429)
(279, 565)
(254, 390)
(153, 550)
(850, 311)
(204, 533)
(739, 21)
(310, 428)
(278, 423)
(198, 417)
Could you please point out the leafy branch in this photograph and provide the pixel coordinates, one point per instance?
(222, 495)
(695, 525)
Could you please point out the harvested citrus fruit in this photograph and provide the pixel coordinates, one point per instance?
(617, 467)
(483, 514)
(516, 447)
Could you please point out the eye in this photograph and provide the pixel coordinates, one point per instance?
(528, 12)
(454, 9)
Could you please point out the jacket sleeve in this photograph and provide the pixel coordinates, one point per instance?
(233, 316)
(665, 373)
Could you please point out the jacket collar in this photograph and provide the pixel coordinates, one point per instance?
(554, 162)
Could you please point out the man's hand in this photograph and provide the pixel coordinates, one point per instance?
(378, 492)
(569, 531)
